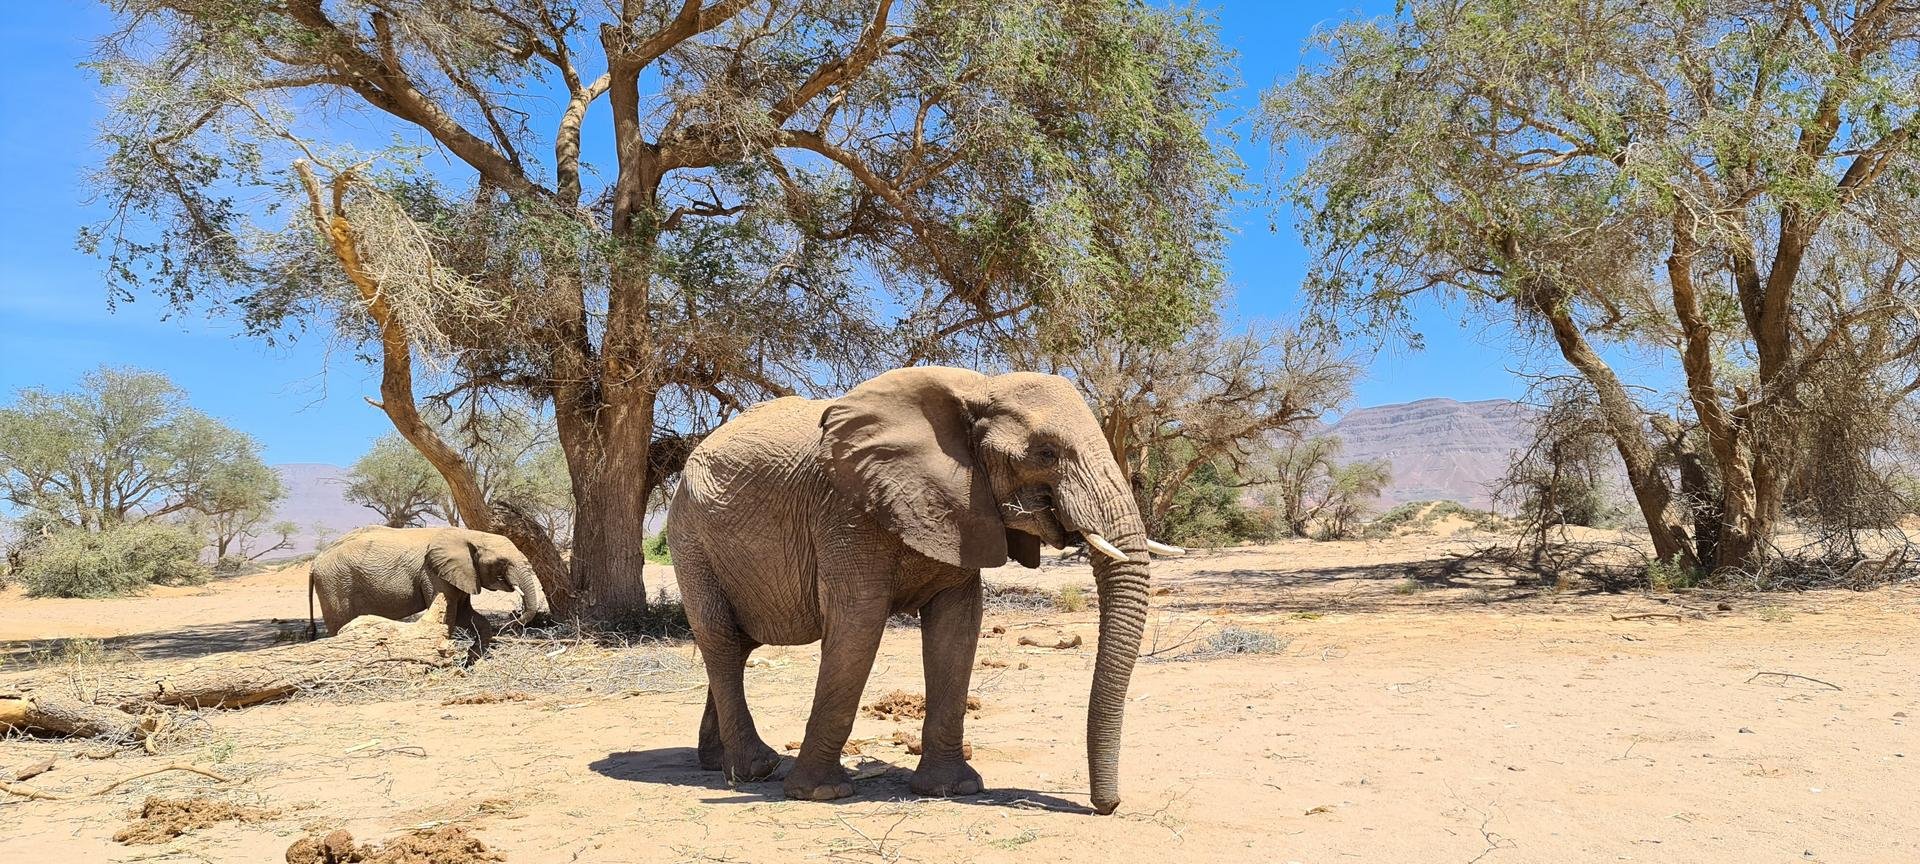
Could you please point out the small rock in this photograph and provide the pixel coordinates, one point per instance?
(1745, 731)
(1725, 606)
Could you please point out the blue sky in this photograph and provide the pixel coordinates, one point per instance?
(306, 406)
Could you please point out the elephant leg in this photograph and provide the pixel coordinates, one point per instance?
(846, 658)
(949, 634)
(713, 752)
(744, 757)
(482, 629)
(461, 617)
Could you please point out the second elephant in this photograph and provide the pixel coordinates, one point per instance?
(395, 573)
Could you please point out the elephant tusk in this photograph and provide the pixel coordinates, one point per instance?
(1106, 548)
(1165, 550)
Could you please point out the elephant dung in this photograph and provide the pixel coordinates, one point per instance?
(901, 705)
(1065, 642)
(162, 819)
(450, 844)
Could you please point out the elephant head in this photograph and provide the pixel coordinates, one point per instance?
(472, 561)
(972, 470)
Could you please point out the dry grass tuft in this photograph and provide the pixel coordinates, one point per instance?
(1232, 641)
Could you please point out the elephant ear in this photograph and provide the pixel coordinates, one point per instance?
(450, 559)
(901, 445)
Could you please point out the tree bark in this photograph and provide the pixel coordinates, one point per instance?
(1625, 423)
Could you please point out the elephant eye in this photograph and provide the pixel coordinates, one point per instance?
(1046, 454)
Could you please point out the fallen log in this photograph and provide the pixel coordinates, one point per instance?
(125, 702)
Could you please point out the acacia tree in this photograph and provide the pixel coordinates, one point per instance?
(235, 505)
(395, 481)
(1309, 484)
(799, 192)
(1730, 182)
(126, 447)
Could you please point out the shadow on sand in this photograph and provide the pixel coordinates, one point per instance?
(197, 640)
(679, 766)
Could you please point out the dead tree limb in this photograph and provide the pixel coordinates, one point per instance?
(126, 702)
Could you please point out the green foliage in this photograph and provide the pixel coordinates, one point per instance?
(1670, 575)
(1207, 509)
(1421, 515)
(122, 559)
(656, 549)
(1316, 495)
(512, 454)
(394, 480)
(1063, 158)
(1724, 184)
(126, 447)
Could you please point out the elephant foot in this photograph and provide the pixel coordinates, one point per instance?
(806, 783)
(759, 763)
(945, 779)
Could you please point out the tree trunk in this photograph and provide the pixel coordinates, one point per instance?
(1626, 425)
(609, 540)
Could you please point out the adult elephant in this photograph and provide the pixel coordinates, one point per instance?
(395, 572)
(804, 520)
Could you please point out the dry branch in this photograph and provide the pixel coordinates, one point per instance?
(35, 794)
(124, 702)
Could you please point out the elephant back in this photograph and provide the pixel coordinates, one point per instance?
(766, 444)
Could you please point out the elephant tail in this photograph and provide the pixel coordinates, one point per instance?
(313, 628)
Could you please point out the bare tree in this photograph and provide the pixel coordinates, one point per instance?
(1220, 397)
(1309, 486)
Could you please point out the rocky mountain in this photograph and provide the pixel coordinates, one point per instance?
(1439, 448)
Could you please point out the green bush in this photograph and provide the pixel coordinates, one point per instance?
(123, 559)
(1417, 515)
(1208, 511)
(655, 548)
(1670, 575)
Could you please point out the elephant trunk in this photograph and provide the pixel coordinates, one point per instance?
(1110, 510)
(533, 598)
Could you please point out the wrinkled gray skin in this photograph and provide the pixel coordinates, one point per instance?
(804, 520)
(395, 572)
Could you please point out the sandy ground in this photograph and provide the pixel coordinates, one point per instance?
(1423, 710)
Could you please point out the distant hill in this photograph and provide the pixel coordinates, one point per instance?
(315, 501)
(1439, 448)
